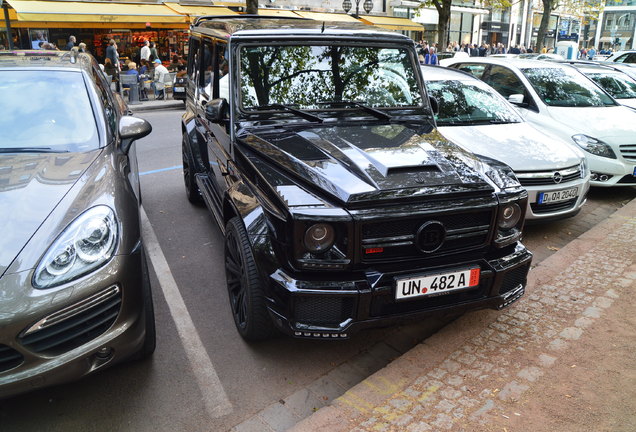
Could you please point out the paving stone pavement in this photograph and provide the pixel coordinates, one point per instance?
(496, 357)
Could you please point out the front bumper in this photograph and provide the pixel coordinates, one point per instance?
(338, 308)
(560, 210)
(608, 172)
(39, 364)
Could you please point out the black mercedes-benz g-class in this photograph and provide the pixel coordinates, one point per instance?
(314, 146)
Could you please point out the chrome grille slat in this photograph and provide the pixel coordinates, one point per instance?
(628, 151)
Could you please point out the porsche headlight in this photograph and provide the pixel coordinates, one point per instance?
(594, 146)
(84, 246)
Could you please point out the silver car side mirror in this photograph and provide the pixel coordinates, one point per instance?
(131, 129)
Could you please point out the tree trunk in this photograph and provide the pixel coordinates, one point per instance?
(444, 11)
(543, 27)
(252, 7)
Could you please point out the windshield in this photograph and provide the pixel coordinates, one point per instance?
(463, 103)
(620, 86)
(45, 110)
(310, 77)
(566, 88)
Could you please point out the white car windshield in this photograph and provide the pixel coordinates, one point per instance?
(311, 77)
(463, 103)
(619, 85)
(44, 110)
(566, 88)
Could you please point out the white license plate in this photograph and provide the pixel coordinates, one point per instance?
(179, 89)
(436, 284)
(557, 196)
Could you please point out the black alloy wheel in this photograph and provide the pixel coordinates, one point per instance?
(245, 292)
(192, 189)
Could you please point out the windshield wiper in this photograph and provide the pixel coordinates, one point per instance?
(299, 113)
(377, 113)
(31, 150)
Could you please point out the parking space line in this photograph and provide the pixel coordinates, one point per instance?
(212, 391)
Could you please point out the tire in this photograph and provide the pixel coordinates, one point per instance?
(192, 190)
(245, 291)
(150, 340)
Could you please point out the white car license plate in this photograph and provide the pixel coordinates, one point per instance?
(435, 284)
(557, 196)
(179, 89)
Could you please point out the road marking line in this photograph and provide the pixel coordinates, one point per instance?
(214, 397)
(176, 167)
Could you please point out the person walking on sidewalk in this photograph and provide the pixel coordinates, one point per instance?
(71, 43)
(154, 55)
(145, 52)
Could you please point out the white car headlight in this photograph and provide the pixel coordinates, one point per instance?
(86, 244)
(594, 146)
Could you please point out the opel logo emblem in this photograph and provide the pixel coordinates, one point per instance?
(557, 177)
(430, 237)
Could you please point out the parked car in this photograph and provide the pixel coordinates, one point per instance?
(472, 114)
(541, 56)
(618, 84)
(558, 99)
(625, 56)
(75, 295)
(179, 86)
(341, 204)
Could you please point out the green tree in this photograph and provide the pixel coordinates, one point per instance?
(583, 9)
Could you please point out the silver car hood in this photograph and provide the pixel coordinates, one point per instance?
(31, 186)
(518, 145)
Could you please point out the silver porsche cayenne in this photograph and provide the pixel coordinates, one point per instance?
(74, 288)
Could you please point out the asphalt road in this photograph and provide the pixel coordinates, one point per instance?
(200, 358)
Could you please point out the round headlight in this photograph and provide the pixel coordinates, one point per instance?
(319, 237)
(510, 215)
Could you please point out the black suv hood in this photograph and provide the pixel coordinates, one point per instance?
(362, 162)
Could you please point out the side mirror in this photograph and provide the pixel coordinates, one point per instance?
(434, 105)
(516, 99)
(216, 110)
(131, 129)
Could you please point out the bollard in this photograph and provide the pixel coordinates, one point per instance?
(133, 94)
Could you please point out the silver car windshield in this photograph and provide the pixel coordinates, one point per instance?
(619, 85)
(44, 110)
(310, 77)
(566, 88)
(462, 103)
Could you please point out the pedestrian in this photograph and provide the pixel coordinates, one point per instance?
(591, 53)
(154, 55)
(144, 54)
(431, 58)
(112, 54)
(71, 43)
(82, 47)
(159, 79)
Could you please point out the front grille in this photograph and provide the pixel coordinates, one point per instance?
(628, 179)
(74, 326)
(9, 358)
(628, 151)
(323, 310)
(397, 238)
(513, 279)
(547, 178)
(386, 305)
(554, 207)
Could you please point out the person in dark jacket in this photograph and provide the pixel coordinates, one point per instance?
(71, 43)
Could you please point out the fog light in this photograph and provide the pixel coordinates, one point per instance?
(510, 215)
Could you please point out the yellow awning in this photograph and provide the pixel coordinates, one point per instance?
(277, 13)
(392, 23)
(320, 16)
(195, 11)
(62, 11)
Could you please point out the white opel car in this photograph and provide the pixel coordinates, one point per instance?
(474, 116)
(618, 84)
(559, 99)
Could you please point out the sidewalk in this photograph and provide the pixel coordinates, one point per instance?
(560, 359)
(153, 104)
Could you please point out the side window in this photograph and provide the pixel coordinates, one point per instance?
(106, 101)
(475, 69)
(504, 81)
(631, 58)
(222, 67)
(207, 67)
(193, 58)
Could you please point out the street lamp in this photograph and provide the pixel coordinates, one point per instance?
(367, 5)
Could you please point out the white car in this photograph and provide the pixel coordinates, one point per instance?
(627, 56)
(474, 116)
(560, 100)
(618, 84)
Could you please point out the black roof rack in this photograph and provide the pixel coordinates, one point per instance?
(242, 16)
